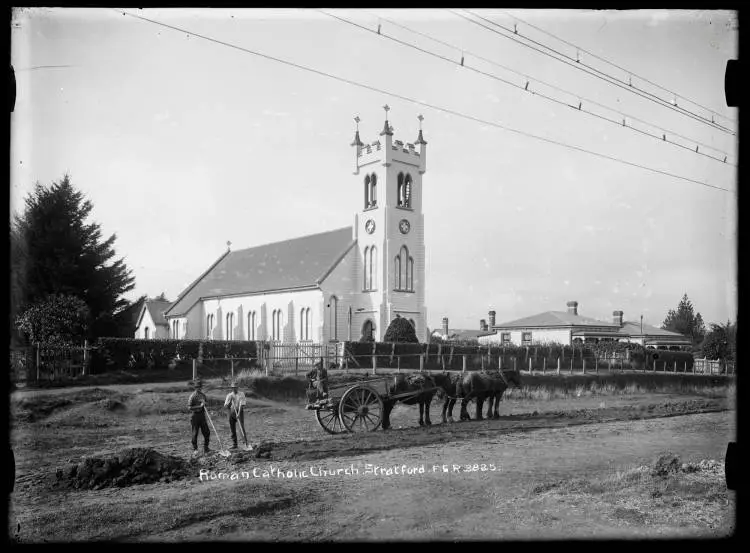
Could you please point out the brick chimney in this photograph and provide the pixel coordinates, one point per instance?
(617, 317)
(482, 324)
(445, 326)
(573, 307)
(492, 318)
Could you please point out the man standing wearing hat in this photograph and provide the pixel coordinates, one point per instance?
(197, 406)
(235, 402)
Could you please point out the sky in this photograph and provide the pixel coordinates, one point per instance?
(183, 144)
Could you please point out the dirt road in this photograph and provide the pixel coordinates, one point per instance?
(534, 446)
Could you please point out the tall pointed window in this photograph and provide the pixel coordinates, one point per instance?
(367, 191)
(251, 326)
(400, 190)
(366, 269)
(404, 271)
(333, 317)
(146, 333)
(373, 268)
(304, 323)
(373, 190)
(209, 326)
(230, 326)
(276, 324)
(407, 191)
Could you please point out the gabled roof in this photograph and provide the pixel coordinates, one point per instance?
(296, 263)
(156, 309)
(555, 319)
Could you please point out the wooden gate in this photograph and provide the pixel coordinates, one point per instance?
(296, 357)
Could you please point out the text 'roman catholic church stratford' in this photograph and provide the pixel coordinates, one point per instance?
(338, 285)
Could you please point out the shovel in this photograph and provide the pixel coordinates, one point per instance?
(248, 447)
(223, 452)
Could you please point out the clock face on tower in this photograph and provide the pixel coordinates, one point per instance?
(404, 226)
(370, 226)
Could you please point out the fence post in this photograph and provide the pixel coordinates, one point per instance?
(231, 366)
(675, 366)
(195, 371)
(421, 362)
(531, 368)
(544, 364)
(463, 363)
(609, 364)
(514, 363)
(558, 365)
(500, 362)
(398, 364)
(571, 365)
(374, 364)
(38, 369)
(584, 364)
(596, 365)
(296, 364)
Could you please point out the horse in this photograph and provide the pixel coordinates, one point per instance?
(479, 386)
(483, 386)
(423, 388)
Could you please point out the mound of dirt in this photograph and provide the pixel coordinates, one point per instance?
(128, 467)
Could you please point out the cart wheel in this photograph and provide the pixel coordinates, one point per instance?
(329, 420)
(361, 409)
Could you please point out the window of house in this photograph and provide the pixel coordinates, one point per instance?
(276, 324)
(400, 190)
(505, 337)
(304, 323)
(333, 319)
(209, 326)
(397, 273)
(367, 191)
(526, 338)
(175, 329)
(146, 333)
(373, 190)
(367, 330)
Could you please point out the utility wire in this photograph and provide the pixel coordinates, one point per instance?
(711, 111)
(418, 102)
(662, 137)
(591, 71)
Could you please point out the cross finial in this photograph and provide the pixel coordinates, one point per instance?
(386, 108)
(229, 245)
(420, 121)
(356, 119)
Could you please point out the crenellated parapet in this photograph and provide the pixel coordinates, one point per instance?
(386, 150)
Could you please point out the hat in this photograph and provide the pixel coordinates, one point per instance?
(233, 384)
(197, 383)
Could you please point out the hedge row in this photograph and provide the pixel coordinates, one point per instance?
(134, 353)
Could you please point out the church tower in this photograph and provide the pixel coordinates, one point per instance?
(389, 228)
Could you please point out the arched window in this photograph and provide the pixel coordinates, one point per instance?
(405, 263)
(209, 326)
(397, 273)
(251, 325)
(366, 269)
(373, 267)
(400, 190)
(373, 190)
(146, 333)
(276, 324)
(304, 323)
(333, 317)
(230, 326)
(407, 191)
(410, 277)
(367, 191)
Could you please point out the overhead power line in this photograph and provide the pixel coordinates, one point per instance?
(621, 121)
(563, 58)
(417, 102)
(644, 79)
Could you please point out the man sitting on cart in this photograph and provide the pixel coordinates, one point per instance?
(318, 378)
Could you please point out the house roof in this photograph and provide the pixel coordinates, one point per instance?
(462, 334)
(632, 328)
(556, 319)
(156, 309)
(296, 263)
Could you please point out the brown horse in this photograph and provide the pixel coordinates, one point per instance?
(423, 389)
(475, 385)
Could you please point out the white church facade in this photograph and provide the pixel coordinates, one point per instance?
(333, 286)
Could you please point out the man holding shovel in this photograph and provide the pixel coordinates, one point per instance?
(235, 402)
(197, 406)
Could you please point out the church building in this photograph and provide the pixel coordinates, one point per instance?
(343, 284)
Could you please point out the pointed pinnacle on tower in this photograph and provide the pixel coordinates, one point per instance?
(420, 138)
(357, 141)
(387, 129)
